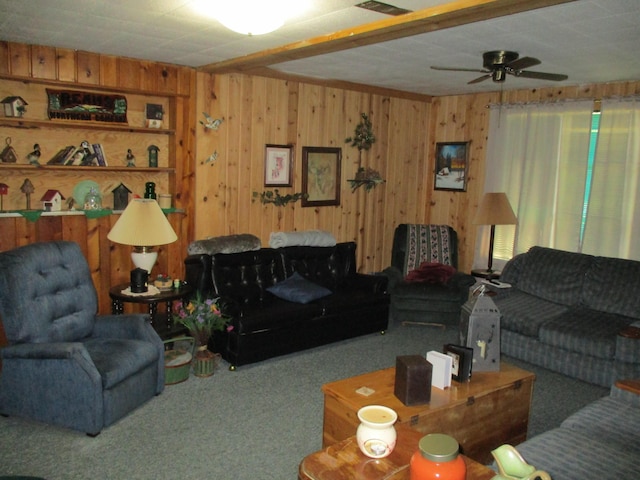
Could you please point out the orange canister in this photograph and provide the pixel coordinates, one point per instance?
(437, 459)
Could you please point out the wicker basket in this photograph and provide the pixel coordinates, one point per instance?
(177, 360)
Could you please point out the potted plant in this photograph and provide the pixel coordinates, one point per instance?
(201, 317)
(362, 139)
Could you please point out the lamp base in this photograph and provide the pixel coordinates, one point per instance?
(144, 257)
(488, 274)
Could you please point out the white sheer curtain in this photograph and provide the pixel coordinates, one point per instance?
(613, 215)
(537, 155)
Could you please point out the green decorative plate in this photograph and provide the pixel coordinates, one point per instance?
(80, 192)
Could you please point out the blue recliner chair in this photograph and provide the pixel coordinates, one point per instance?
(64, 364)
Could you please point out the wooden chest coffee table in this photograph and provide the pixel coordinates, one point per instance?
(345, 461)
(482, 414)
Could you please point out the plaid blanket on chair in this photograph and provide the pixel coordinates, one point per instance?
(427, 243)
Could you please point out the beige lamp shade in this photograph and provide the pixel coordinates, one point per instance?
(494, 209)
(143, 225)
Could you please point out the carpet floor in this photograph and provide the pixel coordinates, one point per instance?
(255, 423)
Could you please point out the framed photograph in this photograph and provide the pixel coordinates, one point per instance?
(278, 166)
(321, 176)
(452, 161)
(462, 360)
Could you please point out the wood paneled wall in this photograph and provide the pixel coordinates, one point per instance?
(258, 110)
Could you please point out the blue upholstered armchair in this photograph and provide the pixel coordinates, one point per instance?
(64, 364)
(435, 296)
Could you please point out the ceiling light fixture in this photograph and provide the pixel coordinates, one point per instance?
(252, 17)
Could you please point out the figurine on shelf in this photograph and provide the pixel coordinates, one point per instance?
(27, 188)
(89, 158)
(131, 160)
(8, 154)
(34, 156)
(153, 156)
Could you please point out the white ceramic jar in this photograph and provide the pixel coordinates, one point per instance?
(376, 435)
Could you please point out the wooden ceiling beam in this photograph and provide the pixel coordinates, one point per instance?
(431, 19)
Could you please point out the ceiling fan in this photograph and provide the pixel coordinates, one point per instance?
(498, 63)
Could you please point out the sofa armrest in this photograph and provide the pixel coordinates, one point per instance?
(46, 351)
(134, 326)
(198, 273)
(628, 344)
(394, 276)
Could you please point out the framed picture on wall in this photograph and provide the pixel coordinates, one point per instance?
(452, 162)
(278, 165)
(321, 176)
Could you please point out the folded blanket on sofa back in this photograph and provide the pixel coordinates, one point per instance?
(309, 238)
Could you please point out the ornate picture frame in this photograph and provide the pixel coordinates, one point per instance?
(278, 165)
(451, 166)
(321, 176)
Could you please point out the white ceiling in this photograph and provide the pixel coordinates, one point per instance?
(592, 41)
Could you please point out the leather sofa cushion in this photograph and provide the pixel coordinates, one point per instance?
(608, 286)
(554, 275)
(585, 331)
(280, 314)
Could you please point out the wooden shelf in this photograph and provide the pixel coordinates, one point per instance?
(75, 168)
(12, 122)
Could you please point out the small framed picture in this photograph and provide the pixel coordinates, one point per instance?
(452, 162)
(462, 360)
(278, 165)
(321, 176)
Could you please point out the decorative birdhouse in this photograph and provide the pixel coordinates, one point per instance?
(52, 201)
(480, 330)
(120, 197)
(14, 106)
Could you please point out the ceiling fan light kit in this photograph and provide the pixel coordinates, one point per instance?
(497, 64)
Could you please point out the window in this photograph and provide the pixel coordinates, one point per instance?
(571, 174)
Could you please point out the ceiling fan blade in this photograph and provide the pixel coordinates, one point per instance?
(524, 62)
(479, 79)
(454, 69)
(556, 77)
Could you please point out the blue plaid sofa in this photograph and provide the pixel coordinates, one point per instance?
(600, 441)
(572, 313)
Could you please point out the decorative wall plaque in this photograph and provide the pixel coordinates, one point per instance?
(86, 106)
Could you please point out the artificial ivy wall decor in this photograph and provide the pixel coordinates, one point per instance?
(362, 139)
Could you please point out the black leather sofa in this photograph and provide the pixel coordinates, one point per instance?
(266, 326)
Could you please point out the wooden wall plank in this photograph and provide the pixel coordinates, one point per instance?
(88, 68)
(67, 68)
(43, 62)
(20, 59)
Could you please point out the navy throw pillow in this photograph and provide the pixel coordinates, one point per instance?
(298, 289)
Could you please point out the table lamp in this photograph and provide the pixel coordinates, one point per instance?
(144, 226)
(494, 209)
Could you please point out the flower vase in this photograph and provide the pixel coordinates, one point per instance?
(204, 362)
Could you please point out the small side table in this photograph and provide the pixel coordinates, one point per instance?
(167, 297)
(345, 461)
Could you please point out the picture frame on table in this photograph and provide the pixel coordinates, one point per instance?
(451, 166)
(278, 165)
(462, 361)
(321, 176)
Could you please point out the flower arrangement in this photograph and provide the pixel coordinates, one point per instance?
(201, 318)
